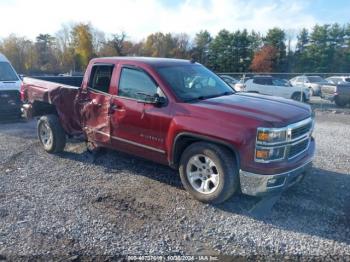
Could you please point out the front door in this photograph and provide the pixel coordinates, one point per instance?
(138, 126)
(94, 102)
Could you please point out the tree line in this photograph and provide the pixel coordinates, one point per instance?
(324, 48)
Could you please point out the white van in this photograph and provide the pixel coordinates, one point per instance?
(10, 103)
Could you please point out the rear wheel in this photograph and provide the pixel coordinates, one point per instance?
(209, 172)
(51, 134)
(340, 102)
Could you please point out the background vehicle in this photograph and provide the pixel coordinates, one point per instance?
(10, 103)
(272, 86)
(314, 83)
(178, 113)
(338, 80)
(230, 80)
(339, 93)
(240, 86)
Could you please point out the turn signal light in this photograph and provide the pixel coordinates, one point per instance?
(262, 154)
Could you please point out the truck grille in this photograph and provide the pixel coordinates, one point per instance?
(298, 148)
(301, 130)
(10, 104)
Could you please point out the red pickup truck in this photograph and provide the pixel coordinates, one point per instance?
(178, 113)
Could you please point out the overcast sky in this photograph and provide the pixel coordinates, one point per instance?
(138, 18)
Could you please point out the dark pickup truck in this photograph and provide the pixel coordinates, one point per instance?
(178, 113)
(339, 93)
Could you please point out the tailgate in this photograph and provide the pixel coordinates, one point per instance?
(328, 89)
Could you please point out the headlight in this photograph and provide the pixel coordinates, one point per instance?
(265, 135)
(263, 154)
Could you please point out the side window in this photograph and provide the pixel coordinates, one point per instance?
(259, 81)
(100, 78)
(268, 81)
(136, 84)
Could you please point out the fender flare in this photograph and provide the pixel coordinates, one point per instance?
(175, 156)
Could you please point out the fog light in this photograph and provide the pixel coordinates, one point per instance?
(276, 181)
(262, 154)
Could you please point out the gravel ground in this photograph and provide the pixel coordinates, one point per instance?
(76, 205)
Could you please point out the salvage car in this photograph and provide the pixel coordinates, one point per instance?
(10, 103)
(339, 94)
(273, 86)
(314, 83)
(221, 141)
(336, 80)
(230, 80)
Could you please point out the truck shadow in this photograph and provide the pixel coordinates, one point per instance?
(320, 205)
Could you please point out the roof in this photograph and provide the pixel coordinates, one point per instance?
(153, 61)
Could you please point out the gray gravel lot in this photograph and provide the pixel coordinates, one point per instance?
(73, 204)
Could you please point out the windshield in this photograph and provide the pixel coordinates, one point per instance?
(7, 73)
(194, 82)
(316, 79)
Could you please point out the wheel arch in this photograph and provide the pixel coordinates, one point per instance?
(39, 108)
(185, 139)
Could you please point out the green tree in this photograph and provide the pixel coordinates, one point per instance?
(220, 52)
(159, 45)
(20, 51)
(46, 59)
(276, 37)
(82, 44)
(201, 43)
(301, 57)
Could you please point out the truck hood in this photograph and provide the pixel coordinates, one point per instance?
(10, 85)
(275, 111)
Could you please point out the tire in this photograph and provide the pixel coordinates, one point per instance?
(222, 169)
(51, 134)
(296, 97)
(339, 102)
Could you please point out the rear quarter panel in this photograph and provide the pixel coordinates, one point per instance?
(62, 97)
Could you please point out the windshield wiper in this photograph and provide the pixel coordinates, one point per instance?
(207, 97)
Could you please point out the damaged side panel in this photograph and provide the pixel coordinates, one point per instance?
(95, 117)
(42, 97)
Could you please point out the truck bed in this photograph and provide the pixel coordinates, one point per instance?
(39, 95)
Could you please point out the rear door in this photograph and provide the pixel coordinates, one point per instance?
(94, 101)
(260, 85)
(137, 125)
(280, 88)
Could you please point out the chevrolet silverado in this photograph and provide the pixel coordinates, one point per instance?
(178, 113)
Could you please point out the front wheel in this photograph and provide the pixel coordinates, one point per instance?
(297, 97)
(51, 134)
(209, 172)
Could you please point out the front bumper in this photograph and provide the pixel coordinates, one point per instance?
(260, 184)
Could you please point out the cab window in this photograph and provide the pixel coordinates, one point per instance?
(100, 78)
(136, 84)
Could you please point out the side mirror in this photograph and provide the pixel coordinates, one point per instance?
(159, 100)
(155, 99)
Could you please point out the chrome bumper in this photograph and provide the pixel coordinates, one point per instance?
(259, 184)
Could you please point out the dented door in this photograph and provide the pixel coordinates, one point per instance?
(95, 120)
(94, 102)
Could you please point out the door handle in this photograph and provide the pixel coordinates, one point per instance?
(114, 107)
